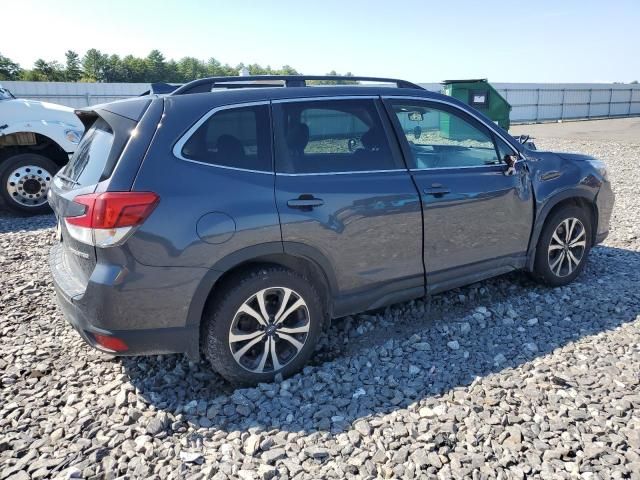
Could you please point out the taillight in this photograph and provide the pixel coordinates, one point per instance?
(109, 218)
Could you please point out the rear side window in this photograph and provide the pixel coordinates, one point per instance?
(331, 136)
(237, 137)
(88, 164)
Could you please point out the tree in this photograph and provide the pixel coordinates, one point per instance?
(73, 70)
(635, 82)
(156, 67)
(49, 71)
(9, 70)
(94, 64)
(134, 69)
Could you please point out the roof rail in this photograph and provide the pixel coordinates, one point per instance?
(207, 84)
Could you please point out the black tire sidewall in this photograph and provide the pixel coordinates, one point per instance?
(541, 267)
(9, 164)
(219, 316)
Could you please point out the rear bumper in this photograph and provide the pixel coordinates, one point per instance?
(145, 307)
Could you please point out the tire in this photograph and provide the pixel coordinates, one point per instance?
(549, 268)
(24, 181)
(224, 325)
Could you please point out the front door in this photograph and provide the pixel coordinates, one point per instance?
(477, 219)
(344, 196)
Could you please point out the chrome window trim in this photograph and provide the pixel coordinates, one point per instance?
(456, 107)
(340, 173)
(328, 98)
(454, 168)
(177, 148)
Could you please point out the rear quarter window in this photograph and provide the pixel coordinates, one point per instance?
(235, 137)
(88, 163)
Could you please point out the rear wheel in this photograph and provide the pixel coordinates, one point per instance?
(263, 323)
(563, 246)
(24, 182)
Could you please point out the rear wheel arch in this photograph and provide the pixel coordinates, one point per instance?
(262, 255)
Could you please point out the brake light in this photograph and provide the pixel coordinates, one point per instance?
(110, 218)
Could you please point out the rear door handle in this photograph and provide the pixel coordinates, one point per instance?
(305, 202)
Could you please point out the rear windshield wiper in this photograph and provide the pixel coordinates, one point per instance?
(67, 179)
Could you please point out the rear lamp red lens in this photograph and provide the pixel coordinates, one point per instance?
(110, 343)
(114, 209)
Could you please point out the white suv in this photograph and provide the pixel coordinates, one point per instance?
(36, 139)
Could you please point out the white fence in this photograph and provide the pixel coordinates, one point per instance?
(531, 102)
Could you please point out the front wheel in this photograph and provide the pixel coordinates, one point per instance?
(24, 182)
(262, 323)
(563, 246)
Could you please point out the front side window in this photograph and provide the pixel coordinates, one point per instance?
(439, 138)
(331, 136)
(237, 137)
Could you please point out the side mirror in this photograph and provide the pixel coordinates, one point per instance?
(511, 161)
(416, 116)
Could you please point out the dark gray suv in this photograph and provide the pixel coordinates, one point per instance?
(236, 217)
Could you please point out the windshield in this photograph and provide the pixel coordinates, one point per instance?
(5, 94)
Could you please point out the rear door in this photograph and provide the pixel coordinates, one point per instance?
(477, 219)
(345, 196)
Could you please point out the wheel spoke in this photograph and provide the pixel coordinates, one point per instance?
(243, 337)
(283, 302)
(274, 355)
(578, 243)
(297, 304)
(244, 308)
(265, 355)
(565, 223)
(555, 246)
(573, 258)
(578, 237)
(572, 225)
(569, 265)
(303, 329)
(557, 239)
(557, 263)
(261, 302)
(240, 353)
(291, 340)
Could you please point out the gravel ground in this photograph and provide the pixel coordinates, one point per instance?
(501, 379)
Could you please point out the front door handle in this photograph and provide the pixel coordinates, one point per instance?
(437, 190)
(305, 202)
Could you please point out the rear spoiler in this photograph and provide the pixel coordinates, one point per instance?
(160, 88)
(130, 108)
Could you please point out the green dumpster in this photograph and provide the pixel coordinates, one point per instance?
(480, 95)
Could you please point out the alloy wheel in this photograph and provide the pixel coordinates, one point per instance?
(28, 185)
(269, 329)
(567, 247)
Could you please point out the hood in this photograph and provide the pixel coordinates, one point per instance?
(19, 110)
(575, 157)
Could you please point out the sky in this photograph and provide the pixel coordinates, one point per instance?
(421, 41)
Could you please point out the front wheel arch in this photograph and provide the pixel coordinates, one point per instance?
(568, 198)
